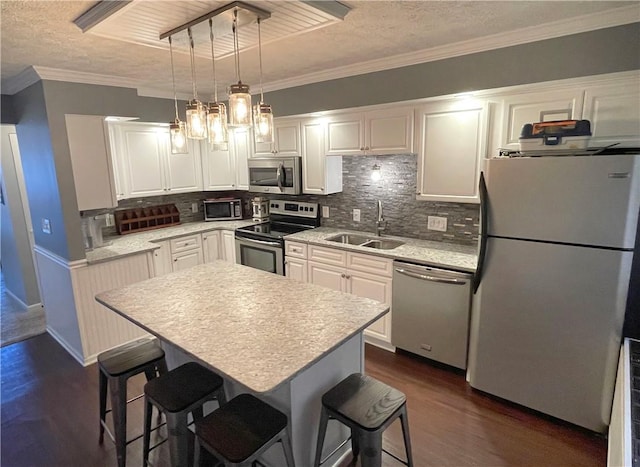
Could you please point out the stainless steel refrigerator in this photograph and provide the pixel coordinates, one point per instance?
(556, 249)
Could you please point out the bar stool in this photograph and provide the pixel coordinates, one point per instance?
(177, 393)
(367, 406)
(241, 430)
(116, 367)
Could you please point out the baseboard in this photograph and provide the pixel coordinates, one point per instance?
(66, 346)
(23, 305)
(379, 343)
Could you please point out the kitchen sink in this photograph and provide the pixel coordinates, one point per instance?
(369, 242)
(383, 244)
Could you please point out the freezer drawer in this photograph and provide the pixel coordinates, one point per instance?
(431, 312)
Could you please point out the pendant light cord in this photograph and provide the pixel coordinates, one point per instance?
(173, 79)
(260, 55)
(193, 64)
(236, 43)
(213, 63)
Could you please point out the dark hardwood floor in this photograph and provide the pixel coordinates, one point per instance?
(50, 407)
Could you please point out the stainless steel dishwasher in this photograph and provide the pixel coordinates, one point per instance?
(430, 314)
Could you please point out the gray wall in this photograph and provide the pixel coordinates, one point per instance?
(40, 109)
(7, 114)
(604, 51)
(17, 262)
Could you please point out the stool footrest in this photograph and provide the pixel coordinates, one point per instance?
(335, 450)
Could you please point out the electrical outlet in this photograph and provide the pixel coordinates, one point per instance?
(46, 226)
(109, 220)
(437, 223)
(325, 211)
(194, 207)
(356, 215)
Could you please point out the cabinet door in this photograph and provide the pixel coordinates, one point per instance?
(287, 138)
(241, 152)
(91, 162)
(183, 171)
(614, 113)
(452, 143)
(162, 259)
(321, 174)
(389, 131)
(376, 288)
(142, 159)
(218, 167)
(296, 269)
(332, 277)
(345, 134)
(211, 246)
(228, 243)
(186, 259)
(537, 107)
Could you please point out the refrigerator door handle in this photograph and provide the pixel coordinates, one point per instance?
(482, 188)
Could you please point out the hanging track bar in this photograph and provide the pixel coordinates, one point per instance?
(258, 12)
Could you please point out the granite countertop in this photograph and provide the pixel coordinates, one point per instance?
(260, 340)
(131, 244)
(439, 254)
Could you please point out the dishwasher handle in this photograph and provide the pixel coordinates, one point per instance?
(426, 277)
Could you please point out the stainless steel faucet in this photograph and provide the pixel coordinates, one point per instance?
(381, 224)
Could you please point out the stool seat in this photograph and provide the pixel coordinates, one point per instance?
(240, 429)
(177, 390)
(364, 401)
(129, 357)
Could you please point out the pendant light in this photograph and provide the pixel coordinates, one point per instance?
(239, 97)
(216, 112)
(196, 113)
(262, 114)
(177, 129)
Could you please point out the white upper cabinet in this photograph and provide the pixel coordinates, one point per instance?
(321, 174)
(241, 150)
(93, 172)
(451, 144)
(542, 106)
(614, 113)
(286, 139)
(146, 166)
(383, 131)
(219, 168)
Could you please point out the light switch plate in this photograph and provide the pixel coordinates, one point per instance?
(325, 211)
(437, 223)
(356, 215)
(46, 225)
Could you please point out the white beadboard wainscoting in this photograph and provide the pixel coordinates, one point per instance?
(79, 323)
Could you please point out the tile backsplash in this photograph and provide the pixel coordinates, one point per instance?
(405, 216)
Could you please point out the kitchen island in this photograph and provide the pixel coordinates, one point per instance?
(286, 343)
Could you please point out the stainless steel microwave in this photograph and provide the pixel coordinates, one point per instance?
(279, 175)
(222, 209)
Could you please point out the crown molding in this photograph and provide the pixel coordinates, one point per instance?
(565, 27)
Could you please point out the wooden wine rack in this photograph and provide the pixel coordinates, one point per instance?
(147, 218)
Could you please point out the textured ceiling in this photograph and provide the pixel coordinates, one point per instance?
(42, 33)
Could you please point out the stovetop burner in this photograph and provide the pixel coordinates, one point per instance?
(274, 229)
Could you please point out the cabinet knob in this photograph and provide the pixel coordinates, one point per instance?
(366, 148)
(348, 276)
(362, 148)
(342, 275)
(175, 260)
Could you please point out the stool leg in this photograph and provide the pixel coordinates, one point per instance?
(103, 404)
(371, 448)
(177, 434)
(118, 390)
(322, 429)
(148, 412)
(161, 366)
(405, 434)
(197, 453)
(355, 445)
(286, 446)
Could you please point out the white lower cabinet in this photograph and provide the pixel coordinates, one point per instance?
(366, 276)
(162, 259)
(228, 245)
(211, 246)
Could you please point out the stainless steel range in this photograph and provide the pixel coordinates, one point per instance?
(261, 245)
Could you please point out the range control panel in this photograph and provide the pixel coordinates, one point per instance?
(293, 208)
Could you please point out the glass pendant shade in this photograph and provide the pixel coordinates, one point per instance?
(217, 123)
(263, 123)
(239, 106)
(178, 137)
(196, 120)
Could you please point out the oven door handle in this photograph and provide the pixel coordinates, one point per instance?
(279, 175)
(261, 242)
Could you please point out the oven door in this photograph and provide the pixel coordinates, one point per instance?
(267, 255)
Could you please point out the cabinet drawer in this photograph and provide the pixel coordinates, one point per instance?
(370, 263)
(191, 242)
(327, 255)
(297, 250)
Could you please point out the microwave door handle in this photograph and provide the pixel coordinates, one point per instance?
(279, 175)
